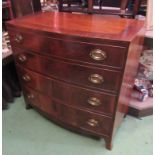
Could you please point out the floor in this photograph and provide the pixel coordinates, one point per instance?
(25, 132)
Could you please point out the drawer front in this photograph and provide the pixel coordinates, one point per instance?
(85, 120)
(97, 54)
(34, 80)
(69, 94)
(73, 73)
(39, 100)
(87, 99)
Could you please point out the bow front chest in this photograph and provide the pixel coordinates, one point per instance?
(76, 69)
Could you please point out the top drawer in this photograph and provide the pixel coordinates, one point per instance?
(95, 54)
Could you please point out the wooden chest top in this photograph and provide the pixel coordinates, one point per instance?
(81, 25)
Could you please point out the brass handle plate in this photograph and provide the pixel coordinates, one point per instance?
(30, 96)
(92, 122)
(22, 58)
(96, 79)
(94, 101)
(18, 38)
(26, 78)
(98, 55)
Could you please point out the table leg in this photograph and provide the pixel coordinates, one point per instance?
(90, 6)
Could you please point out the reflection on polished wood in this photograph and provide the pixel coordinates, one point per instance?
(76, 69)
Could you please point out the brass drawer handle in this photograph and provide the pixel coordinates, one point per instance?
(22, 58)
(18, 38)
(92, 122)
(96, 79)
(30, 96)
(98, 54)
(26, 78)
(94, 101)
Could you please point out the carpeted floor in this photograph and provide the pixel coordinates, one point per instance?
(25, 132)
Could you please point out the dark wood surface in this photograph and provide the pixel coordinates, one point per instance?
(57, 71)
(71, 73)
(68, 94)
(36, 81)
(25, 7)
(80, 118)
(42, 101)
(74, 50)
(97, 26)
(140, 113)
(130, 72)
(63, 112)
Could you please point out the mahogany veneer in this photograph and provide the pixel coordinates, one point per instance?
(78, 70)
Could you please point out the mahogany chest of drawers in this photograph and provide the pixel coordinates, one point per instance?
(77, 70)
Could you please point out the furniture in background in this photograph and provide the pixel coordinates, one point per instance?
(7, 5)
(75, 6)
(9, 77)
(140, 109)
(144, 108)
(7, 12)
(49, 5)
(78, 73)
(25, 7)
(10, 84)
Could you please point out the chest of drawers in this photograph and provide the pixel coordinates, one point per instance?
(77, 70)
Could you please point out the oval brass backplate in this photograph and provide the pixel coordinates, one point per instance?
(96, 79)
(22, 58)
(18, 38)
(98, 55)
(92, 122)
(94, 101)
(26, 78)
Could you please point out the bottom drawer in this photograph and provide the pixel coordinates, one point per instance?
(86, 120)
(41, 101)
(95, 101)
